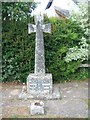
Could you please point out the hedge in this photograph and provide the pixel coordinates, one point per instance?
(18, 50)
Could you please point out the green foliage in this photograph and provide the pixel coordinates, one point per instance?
(80, 51)
(16, 57)
(18, 49)
(17, 10)
(65, 34)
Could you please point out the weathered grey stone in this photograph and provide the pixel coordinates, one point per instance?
(39, 28)
(14, 92)
(22, 95)
(37, 108)
(39, 84)
(24, 89)
(45, 95)
(54, 95)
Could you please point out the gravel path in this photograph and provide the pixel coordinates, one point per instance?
(74, 102)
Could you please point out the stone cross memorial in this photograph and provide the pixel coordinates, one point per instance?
(39, 84)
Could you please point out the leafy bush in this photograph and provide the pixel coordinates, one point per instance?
(65, 34)
(80, 52)
(18, 49)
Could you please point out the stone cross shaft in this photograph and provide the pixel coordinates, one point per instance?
(39, 28)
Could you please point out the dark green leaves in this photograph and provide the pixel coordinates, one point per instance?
(18, 49)
(17, 10)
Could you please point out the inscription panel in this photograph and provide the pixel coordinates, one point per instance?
(39, 85)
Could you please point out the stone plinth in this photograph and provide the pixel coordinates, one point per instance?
(38, 85)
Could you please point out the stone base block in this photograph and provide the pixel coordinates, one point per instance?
(49, 96)
(40, 87)
(39, 84)
(37, 108)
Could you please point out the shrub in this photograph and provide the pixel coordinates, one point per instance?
(18, 49)
(65, 34)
